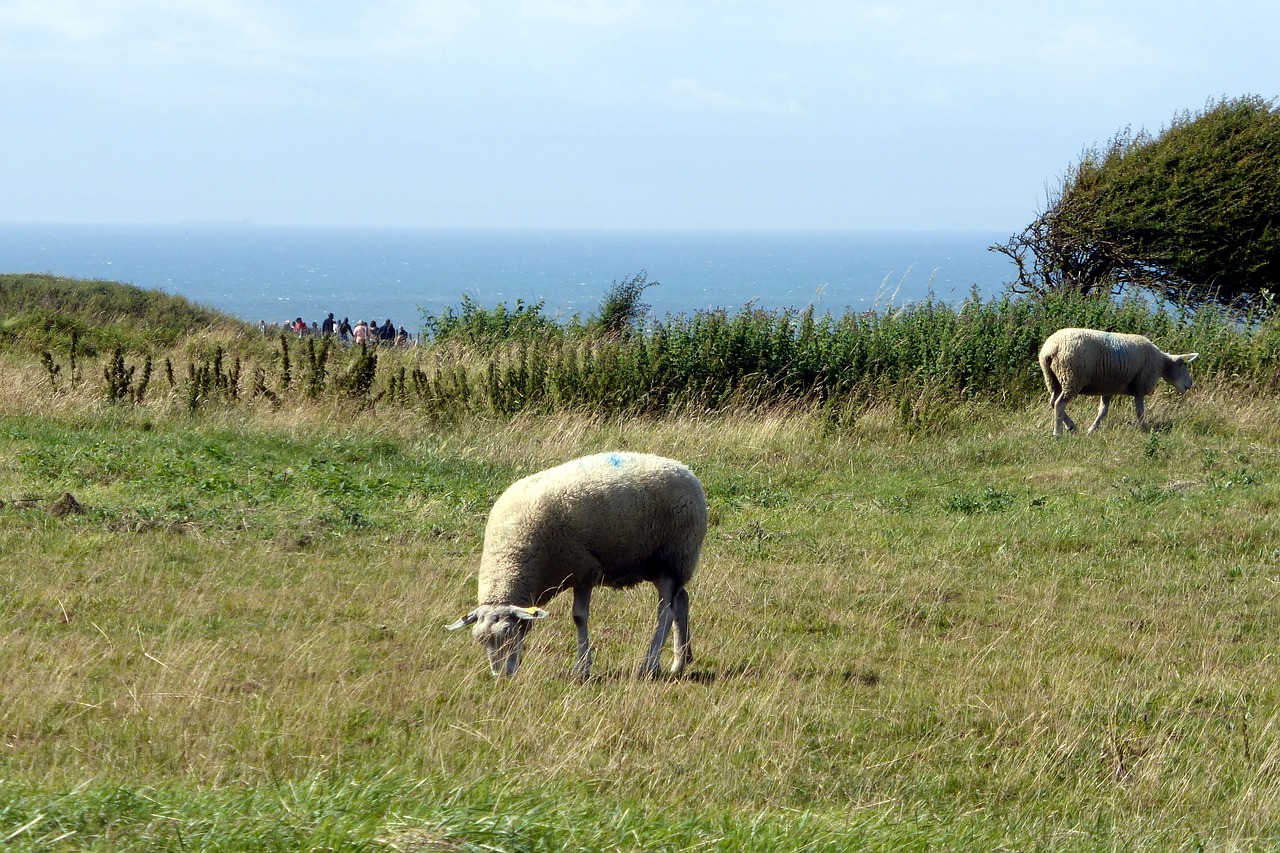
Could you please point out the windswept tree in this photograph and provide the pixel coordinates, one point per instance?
(1192, 214)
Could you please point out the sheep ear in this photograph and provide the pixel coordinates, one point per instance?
(469, 619)
(530, 613)
(1190, 357)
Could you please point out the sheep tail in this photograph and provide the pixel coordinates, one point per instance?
(1051, 376)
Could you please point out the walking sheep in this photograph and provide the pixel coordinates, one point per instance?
(612, 519)
(1087, 361)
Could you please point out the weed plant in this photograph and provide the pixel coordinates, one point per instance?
(923, 357)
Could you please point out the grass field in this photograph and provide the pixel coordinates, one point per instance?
(950, 633)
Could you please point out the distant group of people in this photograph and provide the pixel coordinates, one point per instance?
(368, 333)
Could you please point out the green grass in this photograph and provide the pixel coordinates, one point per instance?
(266, 485)
(399, 813)
(920, 621)
(42, 311)
(966, 636)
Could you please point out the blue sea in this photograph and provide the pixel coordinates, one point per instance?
(280, 273)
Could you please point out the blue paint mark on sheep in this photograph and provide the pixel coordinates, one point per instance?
(614, 459)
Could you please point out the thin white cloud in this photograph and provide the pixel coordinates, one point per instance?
(404, 27)
(57, 19)
(136, 20)
(788, 107)
(687, 93)
(597, 13)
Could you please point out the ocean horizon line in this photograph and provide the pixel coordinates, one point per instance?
(247, 224)
(266, 272)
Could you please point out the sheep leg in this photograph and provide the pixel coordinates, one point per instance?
(581, 610)
(1102, 412)
(683, 648)
(1060, 416)
(1139, 407)
(666, 616)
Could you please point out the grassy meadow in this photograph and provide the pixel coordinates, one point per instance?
(920, 621)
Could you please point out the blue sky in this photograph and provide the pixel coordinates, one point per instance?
(684, 114)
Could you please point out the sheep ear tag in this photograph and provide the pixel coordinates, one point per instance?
(469, 619)
(530, 613)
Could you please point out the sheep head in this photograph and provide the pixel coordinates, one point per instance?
(1176, 372)
(501, 629)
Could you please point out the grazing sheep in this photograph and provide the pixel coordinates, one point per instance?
(612, 519)
(1087, 361)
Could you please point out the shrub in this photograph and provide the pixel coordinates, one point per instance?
(1187, 214)
(621, 309)
(475, 324)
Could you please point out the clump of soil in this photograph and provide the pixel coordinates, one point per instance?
(66, 505)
